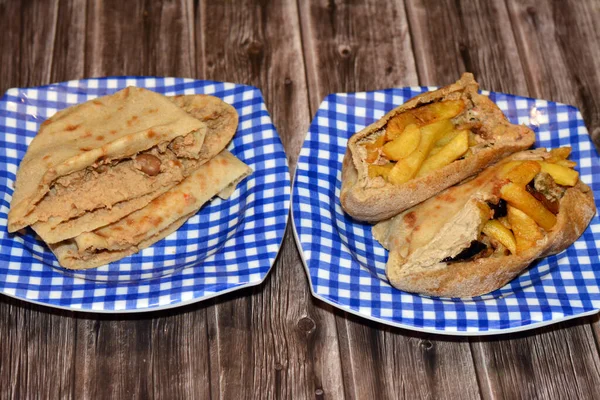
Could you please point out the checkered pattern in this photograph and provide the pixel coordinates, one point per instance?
(346, 265)
(229, 244)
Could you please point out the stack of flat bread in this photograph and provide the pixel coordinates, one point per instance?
(104, 179)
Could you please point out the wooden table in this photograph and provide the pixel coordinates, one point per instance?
(275, 340)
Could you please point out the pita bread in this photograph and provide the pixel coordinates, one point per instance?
(220, 120)
(375, 199)
(421, 238)
(158, 219)
(69, 166)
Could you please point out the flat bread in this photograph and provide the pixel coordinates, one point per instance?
(373, 199)
(422, 239)
(220, 120)
(70, 165)
(158, 219)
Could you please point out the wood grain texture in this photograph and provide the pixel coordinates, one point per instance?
(164, 354)
(451, 37)
(499, 65)
(355, 46)
(558, 362)
(31, 338)
(274, 343)
(275, 340)
(550, 37)
(366, 46)
(139, 38)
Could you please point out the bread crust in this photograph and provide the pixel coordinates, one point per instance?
(484, 275)
(372, 203)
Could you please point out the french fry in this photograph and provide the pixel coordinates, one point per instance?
(560, 153)
(435, 150)
(450, 152)
(566, 163)
(495, 229)
(518, 197)
(561, 175)
(472, 139)
(438, 111)
(380, 170)
(506, 167)
(398, 123)
(403, 145)
(407, 168)
(373, 149)
(504, 221)
(446, 138)
(525, 229)
(524, 173)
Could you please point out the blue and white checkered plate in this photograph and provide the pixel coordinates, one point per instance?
(228, 245)
(346, 265)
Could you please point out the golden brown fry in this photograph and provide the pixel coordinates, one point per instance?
(407, 168)
(560, 153)
(494, 229)
(380, 170)
(518, 197)
(504, 221)
(525, 229)
(449, 153)
(561, 175)
(566, 163)
(398, 123)
(403, 145)
(438, 111)
(446, 138)
(524, 173)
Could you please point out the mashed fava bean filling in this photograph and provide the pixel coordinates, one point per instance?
(108, 182)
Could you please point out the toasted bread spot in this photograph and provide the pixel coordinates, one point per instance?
(132, 120)
(85, 148)
(47, 122)
(98, 102)
(447, 197)
(86, 135)
(113, 132)
(99, 137)
(410, 219)
(153, 110)
(46, 157)
(150, 134)
(156, 221)
(71, 127)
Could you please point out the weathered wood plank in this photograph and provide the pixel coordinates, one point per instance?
(158, 355)
(557, 362)
(366, 46)
(31, 337)
(355, 46)
(133, 38)
(559, 43)
(68, 60)
(500, 66)
(451, 37)
(274, 343)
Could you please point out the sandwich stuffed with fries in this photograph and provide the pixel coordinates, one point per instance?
(459, 202)
(424, 146)
(475, 237)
